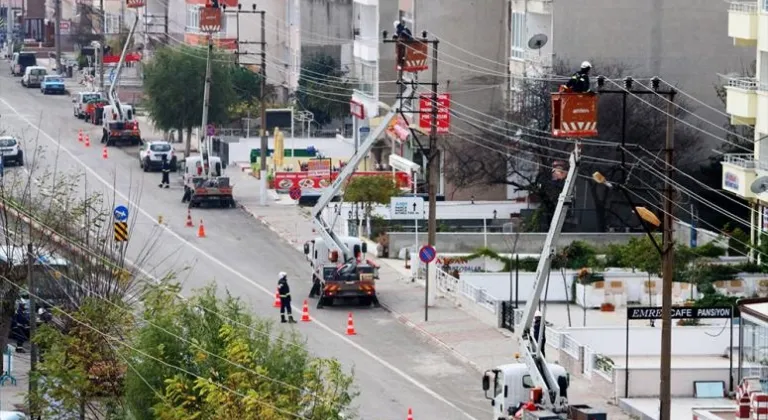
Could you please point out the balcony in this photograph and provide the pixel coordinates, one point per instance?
(741, 100)
(541, 7)
(739, 172)
(365, 49)
(367, 2)
(743, 22)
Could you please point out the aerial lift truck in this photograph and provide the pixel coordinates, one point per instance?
(351, 276)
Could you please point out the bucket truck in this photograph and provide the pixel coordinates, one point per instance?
(118, 121)
(533, 383)
(340, 261)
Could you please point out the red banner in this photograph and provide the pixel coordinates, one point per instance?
(129, 58)
(284, 181)
(443, 115)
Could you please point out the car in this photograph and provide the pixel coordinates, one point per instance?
(52, 84)
(80, 101)
(20, 61)
(11, 150)
(151, 155)
(33, 76)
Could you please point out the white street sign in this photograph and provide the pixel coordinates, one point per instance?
(406, 208)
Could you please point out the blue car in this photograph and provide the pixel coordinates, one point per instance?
(52, 84)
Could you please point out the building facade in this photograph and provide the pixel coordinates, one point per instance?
(747, 104)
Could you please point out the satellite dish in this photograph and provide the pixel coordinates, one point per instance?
(760, 185)
(537, 41)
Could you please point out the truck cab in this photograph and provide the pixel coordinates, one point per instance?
(327, 262)
(117, 129)
(508, 386)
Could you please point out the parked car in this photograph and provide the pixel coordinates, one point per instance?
(20, 62)
(11, 150)
(33, 76)
(80, 101)
(52, 84)
(151, 155)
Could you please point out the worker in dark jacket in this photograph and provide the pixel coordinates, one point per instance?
(20, 327)
(540, 327)
(579, 81)
(285, 298)
(165, 183)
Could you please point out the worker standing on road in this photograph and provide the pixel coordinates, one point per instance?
(539, 327)
(285, 298)
(165, 183)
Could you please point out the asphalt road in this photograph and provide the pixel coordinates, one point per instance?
(395, 369)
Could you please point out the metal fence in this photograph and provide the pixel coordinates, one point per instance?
(453, 288)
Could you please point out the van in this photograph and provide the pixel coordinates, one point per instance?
(33, 76)
(20, 62)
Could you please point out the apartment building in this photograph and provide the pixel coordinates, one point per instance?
(747, 103)
(466, 30)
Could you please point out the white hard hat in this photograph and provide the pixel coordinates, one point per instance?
(586, 65)
(283, 274)
(537, 314)
(397, 22)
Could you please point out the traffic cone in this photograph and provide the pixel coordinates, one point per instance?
(80, 135)
(189, 219)
(350, 325)
(87, 141)
(160, 219)
(305, 312)
(104, 153)
(277, 299)
(201, 230)
(410, 414)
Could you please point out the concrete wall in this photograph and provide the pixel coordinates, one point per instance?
(528, 243)
(326, 22)
(642, 382)
(498, 284)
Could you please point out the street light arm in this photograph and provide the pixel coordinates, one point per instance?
(643, 223)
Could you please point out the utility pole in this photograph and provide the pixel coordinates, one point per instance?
(264, 139)
(58, 36)
(32, 325)
(668, 263)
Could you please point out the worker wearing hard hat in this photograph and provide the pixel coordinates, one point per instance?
(540, 327)
(285, 298)
(579, 81)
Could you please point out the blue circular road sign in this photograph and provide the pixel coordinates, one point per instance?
(121, 213)
(427, 254)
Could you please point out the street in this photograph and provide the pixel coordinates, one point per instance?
(394, 368)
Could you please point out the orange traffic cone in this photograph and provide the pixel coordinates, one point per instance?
(277, 299)
(350, 325)
(87, 141)
(189, 219)
(80, 135)
(104, 153)
(201, 230)
(305, 312)
(410, 414)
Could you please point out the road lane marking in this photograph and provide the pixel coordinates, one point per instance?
(268, 292)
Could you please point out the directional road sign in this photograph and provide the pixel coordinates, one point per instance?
(406, 208)
(295, 193)
(427, 254)
(121, 213)
(211, 130)
(121, 231)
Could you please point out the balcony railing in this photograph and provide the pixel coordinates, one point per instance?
(746, 83)
(743, 160)
(743, 6)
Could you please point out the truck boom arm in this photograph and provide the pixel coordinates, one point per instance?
(326, 231)
(528, 344)
(112, 94)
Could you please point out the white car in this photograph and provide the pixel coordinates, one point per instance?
(79, 101)
(11, 150)
(151, 155)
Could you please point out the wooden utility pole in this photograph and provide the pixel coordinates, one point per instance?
(57, 31)
(264, 139)
(433, 173)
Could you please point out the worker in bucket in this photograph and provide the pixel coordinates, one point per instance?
(539, 327)
(165, 183)
(285, 298)
(579, 81)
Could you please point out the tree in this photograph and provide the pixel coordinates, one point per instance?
(324, 89)
(234, 365)
(174, 82)
(247, 89)
(522, 156)
(370, 190)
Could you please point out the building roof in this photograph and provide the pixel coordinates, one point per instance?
(755, 308)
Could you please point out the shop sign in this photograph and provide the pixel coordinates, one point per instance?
(731, 181)
(284, 181)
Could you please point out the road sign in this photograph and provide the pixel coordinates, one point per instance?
(295, 193)
(427, 254)
(121, 231)
(443, 115)
(121, 213)
(211, 130)
(406, 208)
(357, 109)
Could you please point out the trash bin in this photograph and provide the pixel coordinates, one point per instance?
(69, 71)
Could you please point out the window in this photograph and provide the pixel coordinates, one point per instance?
(528, 382)
(366, 75)
(764, 5)
(518, 35)
(193, 20)
(762, 76)
(111, 23)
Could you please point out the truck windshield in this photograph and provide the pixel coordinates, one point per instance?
(92, 97)
(498, 384)
(54, 80)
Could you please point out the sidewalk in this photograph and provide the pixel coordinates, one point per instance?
(472, 341)
(13, 397)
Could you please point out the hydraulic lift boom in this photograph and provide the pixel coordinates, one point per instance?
(112, 94)
(528, 345)
(326, 231)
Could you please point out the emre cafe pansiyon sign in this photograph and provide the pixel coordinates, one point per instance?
(680, 312)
